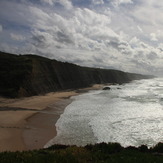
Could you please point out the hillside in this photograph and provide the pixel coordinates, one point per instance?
(27, 75)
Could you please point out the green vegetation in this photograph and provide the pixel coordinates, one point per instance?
(106, 153)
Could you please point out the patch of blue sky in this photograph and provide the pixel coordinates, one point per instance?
(9, 25)
(81, 3)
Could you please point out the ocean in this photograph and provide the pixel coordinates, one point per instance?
(130, 114)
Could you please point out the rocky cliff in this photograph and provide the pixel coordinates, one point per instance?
(27, 75)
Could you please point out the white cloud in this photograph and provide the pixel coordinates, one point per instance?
(117, 3)
(125, 1)
(1, 28)
(66, 3)
(39, 14)
(17, 37)
(97, 2)
(153, 37)
(149, 14)
(140, 29)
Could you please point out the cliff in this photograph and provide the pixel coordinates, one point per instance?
(27, 75)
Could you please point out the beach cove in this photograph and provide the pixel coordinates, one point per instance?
(29, 123)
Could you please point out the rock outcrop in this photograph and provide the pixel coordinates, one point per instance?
(106, 88)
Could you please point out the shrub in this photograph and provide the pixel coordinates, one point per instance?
(158, 148)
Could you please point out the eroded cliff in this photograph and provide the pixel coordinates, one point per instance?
(27, 75)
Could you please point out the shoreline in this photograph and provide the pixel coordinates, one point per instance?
(39, 134)
(34, 126)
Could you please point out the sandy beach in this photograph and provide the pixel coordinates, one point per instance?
(29, 123)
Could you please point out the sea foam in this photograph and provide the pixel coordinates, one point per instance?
(130, 114)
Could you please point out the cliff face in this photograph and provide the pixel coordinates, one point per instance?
(27, 75)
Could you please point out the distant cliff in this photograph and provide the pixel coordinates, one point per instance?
(27, 75)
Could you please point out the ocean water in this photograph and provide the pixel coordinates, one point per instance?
(130, 114)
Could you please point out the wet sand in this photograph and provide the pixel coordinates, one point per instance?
(34, 125)
(42, 125)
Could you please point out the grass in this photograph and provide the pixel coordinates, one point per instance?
(98, 153)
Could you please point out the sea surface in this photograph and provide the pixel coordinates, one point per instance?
(130, 114)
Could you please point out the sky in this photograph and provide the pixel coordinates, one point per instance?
(119, 34)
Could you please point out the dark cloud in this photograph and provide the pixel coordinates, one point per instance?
(63, 38)
(39, 41)
(82, 3)
(152, 56)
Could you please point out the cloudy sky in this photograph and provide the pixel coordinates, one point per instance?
(121, 34)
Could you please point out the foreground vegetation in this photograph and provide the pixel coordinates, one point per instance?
(112, 153)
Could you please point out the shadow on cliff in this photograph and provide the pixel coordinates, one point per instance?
(28, 75)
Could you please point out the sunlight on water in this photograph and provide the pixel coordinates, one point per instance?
(129, 115)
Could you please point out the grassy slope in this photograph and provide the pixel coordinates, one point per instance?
(112, 153)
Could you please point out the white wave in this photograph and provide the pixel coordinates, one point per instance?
(132, 115)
